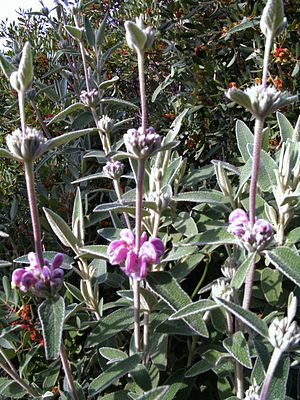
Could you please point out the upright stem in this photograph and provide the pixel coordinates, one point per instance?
(137, 307)
(84, 63)
(258, 128)
(139, 200)
(142, 90)
(29, 176)
(270, 372)
(67, 370)
(21, 99)
(268, 46)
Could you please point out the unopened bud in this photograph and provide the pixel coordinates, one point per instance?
(105, 125)
(89, 98)
(26, 146)
(139, 38)
(222, 290)
(142, 144)
(113, 169)
(272, 20)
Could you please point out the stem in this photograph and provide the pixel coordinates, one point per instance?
(117, 188)
(192, 351)
(13, 374)
(39, 117)
(22, 111)
(258, 128)
(268, 46)
(137, 306)
(142, 90)
(270, 372)
(67, 369)
(239, 380)
(83, 58)
(201, 280)
(29, 176)
(146, 336)
(139, 200)
(88, 294)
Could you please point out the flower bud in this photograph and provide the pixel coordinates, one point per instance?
(222, 290)
(105, 125)
(140, 144)
(253, 392)
(138, 38)
(25, 70)
(89, 98)
(26, 146)
(113, 169)
(223, 180)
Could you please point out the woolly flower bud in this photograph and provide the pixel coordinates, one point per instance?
(222, 289)
(141, 144)
(229, 269)
(253, 392)
(260, 101)
(106, 125)
(113, 169)
(26, 146)
(283, 334)
(21, 80)
(89, 98)
(139, 38)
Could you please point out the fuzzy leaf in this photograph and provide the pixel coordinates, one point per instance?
(72, 108)
(154, 394)
(6, 66)
(67, 137)
(285, 127)
(61, 229)
(107, 84)
(216, 236)
(244, 137)
(76, 33)
(51, 314)
(96, 250)
(112, 374)
(242, 271)
(199, 368)
(100, 31)
(77, 217)
(118, 102)
(271, 284)
(212, 198)
(237, 346)
(286, 261)
(246, 316)
(168, 289)
(194, 308)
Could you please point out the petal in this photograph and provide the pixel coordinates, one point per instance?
(57, 260)
(17, 276)
(27, 280)
(144, 238)
(46, 273)
(238, 216)
(128, 237)
(141, 271)
(117, 252)
(149, 251)
(159, 246)
(33, 259)
(130, 264)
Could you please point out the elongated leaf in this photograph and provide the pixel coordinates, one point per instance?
(107, 84)
(213, 198)
(246, 316)
(6, 154)
(67, 137)
(199, 368)
(168, 289)
(285, 127)
(244, 137)
(89, 31)
(76, 33)
(6, 66)
(142, 378)
(51, 314)
(212, 236)
(77, 217)
(100, 31)
(154, 394)
(118, 102)
(175, 127)
(238, 347)
(111, 325)
(96, 250)
(271, 284)
(61, 229)
(98, 175)
(286, 261)
(241, 273)
(72, 108)
(279, 381)
(194, 308)
(113, 373)
(179, 252)
(112, 354)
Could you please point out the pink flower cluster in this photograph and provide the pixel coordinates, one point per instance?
(142, 144)
(42, 281)
(253, 238)
(133, 264)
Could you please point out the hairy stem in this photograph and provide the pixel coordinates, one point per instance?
(137, 307)
(277, 354)
(30, 185)
(21, 99)
(142, 90)
(67, 369)
(268, 46)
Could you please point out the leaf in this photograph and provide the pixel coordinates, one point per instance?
(118, 102)
(167, 288)
(142, 378)
(112, 354)
(89, 31)
(212, 236)
(118, 395)
(179, 252)
(112, 374)
(286, 261)
(4, 264)
(246, 316)
(72, 108)
(6, 154)
(194, 308)
(285, 127)
(114, 323)
(241, 273)
(271, 284)
(199, 368)
(175, 127)
(213, 198)
(61, 229)
(51, 314)
(154, 394)
(101, 30)
(77, 217)
(97, 250)
(176, 383)
(279, 381)
(6, 66)
(67, 137)
(107, 84)
(244, 24)
(185, 224)
(237, 346)
(109, 234)
(76, 33)
(244, 137)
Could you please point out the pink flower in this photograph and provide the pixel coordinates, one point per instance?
(123, 252)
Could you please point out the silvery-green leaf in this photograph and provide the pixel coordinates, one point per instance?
(6, 154)
(76, 33)
(194, 308)
(286, 261)
(78, 217)
(154, 394)
(67, 137)
(238, 347)
(95, 250)
(107, 84)
(272, 20)
(242, 271)
(271, 284)
(101, 31)
(25, 70)
(285, 127)
(72, 108)
(216, 236)
(6, 66)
